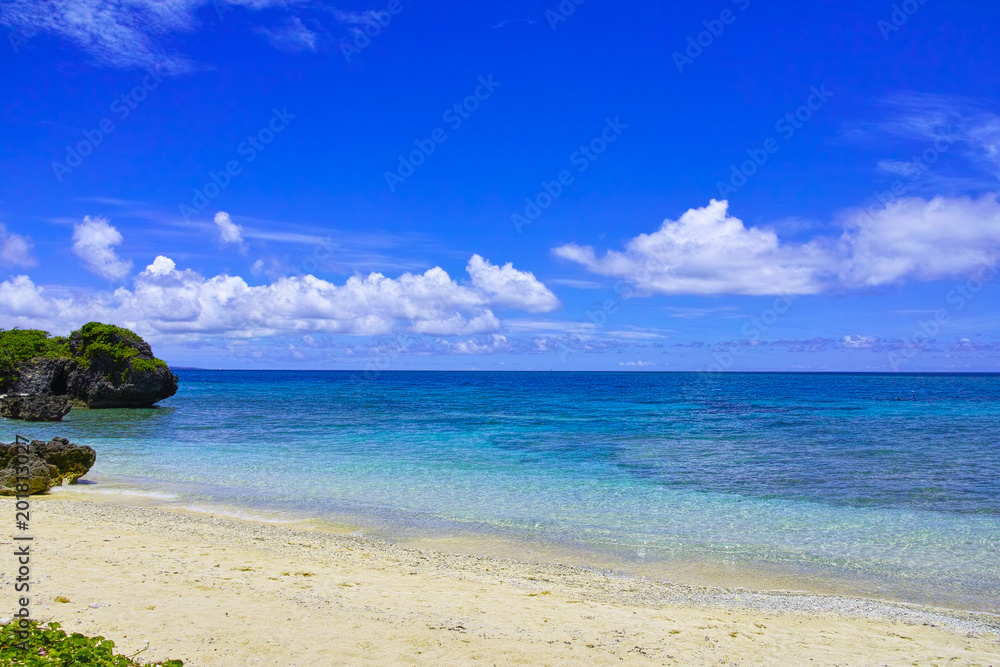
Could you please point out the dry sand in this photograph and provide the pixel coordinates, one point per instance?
(219, 591)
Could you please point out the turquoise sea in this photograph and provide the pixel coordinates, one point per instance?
(880, 485)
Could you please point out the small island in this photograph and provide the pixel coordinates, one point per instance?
(97, 366)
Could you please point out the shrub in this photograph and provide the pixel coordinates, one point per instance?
(96, 339)
(20, 345)
(140, 365)
(49, 646)
(24, 344)
(113, 345)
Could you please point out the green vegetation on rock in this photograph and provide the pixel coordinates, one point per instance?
(100, 340)
(140, 365)
(49, 646)
(20, 345)
(113, 351)
(25, 344)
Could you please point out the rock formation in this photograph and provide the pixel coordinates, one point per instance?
(37, 408)
(47, 464)
(97, 366)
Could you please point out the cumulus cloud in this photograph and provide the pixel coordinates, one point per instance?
(506, 286)
(918, 239)
(93, 242)
(230, 233)
(166, 300)
(15, 250)
(707, 251)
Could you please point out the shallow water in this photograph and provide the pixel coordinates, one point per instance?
(773, 478)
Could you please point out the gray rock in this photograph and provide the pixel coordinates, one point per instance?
(37, 408)
(72, 461)
(99, 375)
(40, 477)
(48, 464)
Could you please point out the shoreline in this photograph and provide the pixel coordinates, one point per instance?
(130, 561)
(696, 570)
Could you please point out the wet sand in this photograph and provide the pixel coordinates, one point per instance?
(214, 590)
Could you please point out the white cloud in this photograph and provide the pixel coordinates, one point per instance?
(93, 242)
(860, 342)
(138, 33)
(168, 301)
(497, 343)
(119, 33)
(230, 233)
(917, 239)
(507, 286)
(291, 37)
(709, 252)
(358, 18)
(15, 250)
(161, 266)
(931, 119)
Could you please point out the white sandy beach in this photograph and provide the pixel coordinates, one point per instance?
(220, 591)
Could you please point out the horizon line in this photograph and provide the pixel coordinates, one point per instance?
(502, 370)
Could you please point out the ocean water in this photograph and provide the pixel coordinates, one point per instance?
(882, 485)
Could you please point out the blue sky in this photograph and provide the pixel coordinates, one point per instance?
(730, 185)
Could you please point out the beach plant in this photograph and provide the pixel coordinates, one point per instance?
(47, 645)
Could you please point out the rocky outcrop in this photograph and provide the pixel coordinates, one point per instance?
(37, 408)
(46, 464)
(72, 461)
(35, 474)
(98, 366)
